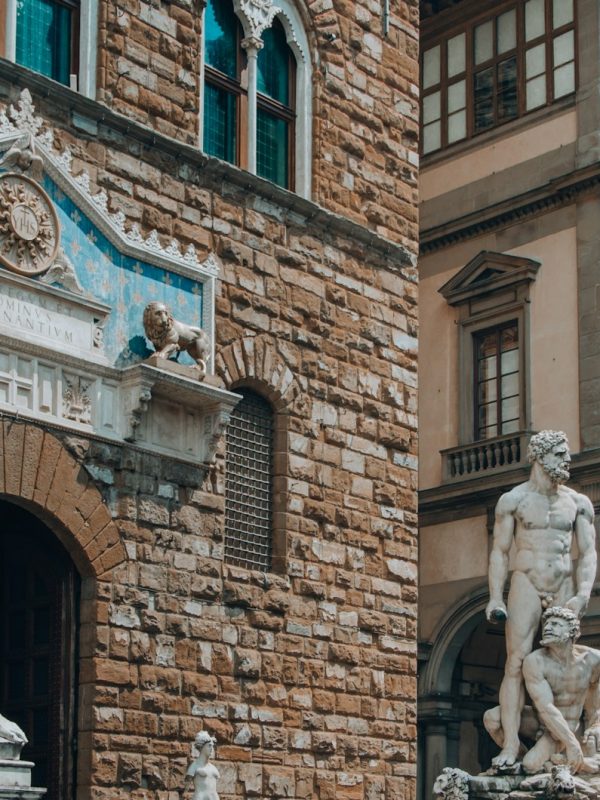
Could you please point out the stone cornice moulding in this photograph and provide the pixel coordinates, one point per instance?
(19, 121)
(133, 405)
(218, 174)
(555, 194)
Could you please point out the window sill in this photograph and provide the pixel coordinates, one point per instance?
(530, 120)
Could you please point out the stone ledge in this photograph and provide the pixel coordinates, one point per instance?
(217, 172)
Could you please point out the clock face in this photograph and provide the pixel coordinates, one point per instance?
(29, 227)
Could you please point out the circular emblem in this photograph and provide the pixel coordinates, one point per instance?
(29, 227)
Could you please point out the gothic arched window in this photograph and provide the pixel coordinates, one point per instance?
(249, 483)
(275, 113)
(257, 94)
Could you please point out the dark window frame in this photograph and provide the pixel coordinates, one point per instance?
(75, 7)
(234, 87)
(285, 113)
(436, 33)
(478, 336)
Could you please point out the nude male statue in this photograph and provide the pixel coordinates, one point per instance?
(540, 516)
(563, 681)
(201, 771)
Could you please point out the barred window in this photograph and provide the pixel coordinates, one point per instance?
(248, 484)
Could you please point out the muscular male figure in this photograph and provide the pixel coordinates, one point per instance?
(540, 516)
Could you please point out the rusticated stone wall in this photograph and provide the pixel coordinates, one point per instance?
(306, 675)
(365, 88)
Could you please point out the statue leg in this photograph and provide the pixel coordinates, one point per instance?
(493, 725)
(529, 727)
(542, 751)
(524, 612)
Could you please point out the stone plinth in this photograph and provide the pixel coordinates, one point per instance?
(15, 781)
(493, 787)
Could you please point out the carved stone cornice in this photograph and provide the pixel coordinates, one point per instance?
(554, 194)
(216, 174)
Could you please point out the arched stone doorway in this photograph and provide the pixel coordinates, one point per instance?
(39, 602)
(70, 540)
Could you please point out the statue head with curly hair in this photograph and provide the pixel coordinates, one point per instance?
(550, 449)
(554, 631)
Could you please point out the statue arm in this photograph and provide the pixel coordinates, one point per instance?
(498, 569)
(591, 712)
(586, 566)
(193, 768)
(541, 694)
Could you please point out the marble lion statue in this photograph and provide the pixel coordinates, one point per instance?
(452, 784)
(170, 336)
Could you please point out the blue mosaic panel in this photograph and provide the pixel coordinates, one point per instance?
(123, 283)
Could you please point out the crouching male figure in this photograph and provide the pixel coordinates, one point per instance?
(562, 679)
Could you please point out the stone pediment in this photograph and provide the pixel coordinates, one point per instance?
(487, 273)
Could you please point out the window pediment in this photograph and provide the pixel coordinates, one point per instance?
(486, 274)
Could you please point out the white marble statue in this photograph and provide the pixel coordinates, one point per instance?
(10, 732)
(12, 741)
(563, 681)
(201, 771)
(540, 516)
(169, 336)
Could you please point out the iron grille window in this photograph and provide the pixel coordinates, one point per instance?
(497, 398)
(248, 484)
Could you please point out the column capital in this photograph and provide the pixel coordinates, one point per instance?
(252, 44)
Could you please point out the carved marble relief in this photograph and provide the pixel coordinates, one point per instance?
(29, 229)
(74, 277)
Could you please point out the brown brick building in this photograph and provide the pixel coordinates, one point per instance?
(236, 555)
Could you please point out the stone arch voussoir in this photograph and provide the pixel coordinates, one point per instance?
(38, 473)
(271, 367)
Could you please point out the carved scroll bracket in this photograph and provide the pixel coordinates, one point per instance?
(169, 412)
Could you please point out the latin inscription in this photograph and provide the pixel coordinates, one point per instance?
(42, 316)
